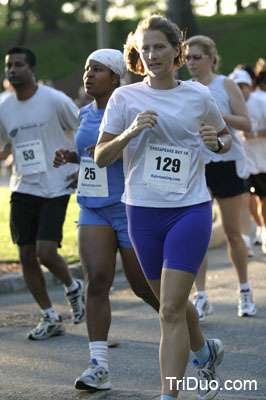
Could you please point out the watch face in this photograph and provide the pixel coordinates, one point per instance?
(220, 143)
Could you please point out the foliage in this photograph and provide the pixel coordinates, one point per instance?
(8, 251)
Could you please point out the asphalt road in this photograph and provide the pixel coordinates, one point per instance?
(47, 370)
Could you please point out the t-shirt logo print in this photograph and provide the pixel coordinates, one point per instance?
(13, 132)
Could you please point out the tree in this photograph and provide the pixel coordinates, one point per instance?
(180, 12)
(218, 7)
(239, 5)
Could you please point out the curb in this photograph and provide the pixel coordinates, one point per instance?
(15, 282)
(11, 283)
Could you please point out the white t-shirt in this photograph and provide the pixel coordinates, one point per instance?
(164, 166)
(36, 128)
(221, 97)
(256, 147)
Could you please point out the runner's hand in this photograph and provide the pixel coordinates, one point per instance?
(90, 149)
(209, 136)
(61, 157)
(145, 119)
(74, 180)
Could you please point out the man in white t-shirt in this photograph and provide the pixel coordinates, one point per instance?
(36, 120)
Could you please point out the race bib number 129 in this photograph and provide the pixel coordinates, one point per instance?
(167, 168)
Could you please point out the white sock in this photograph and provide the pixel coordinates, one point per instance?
(50, 312)
(74, 285)
(99, 350)
(201, 293)
(166, 397)
(244, 286)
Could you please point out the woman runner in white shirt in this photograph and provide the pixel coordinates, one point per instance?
(161, 126)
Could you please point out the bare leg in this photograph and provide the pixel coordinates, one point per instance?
(255, 209)
(246, 215)
(263, 210)
(201, 277)
(175, 335)
(136, 278)
(231, 219)
(33, 275)
(97, 250)
(48, 256)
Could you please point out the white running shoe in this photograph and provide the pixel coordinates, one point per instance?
(207, 373)
(46, 328)
(76, 299)
(203, 305)
(94, 378)
(246, 305)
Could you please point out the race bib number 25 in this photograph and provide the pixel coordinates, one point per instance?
(92, 180)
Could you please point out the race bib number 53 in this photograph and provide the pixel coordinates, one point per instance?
(30, 158)
(167, 168)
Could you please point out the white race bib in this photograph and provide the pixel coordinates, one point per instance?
(167, 168)
(30, 158)
(92, 180)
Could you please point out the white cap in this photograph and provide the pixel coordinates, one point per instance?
(241, 76)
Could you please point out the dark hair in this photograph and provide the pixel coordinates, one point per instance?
(29, 56)
(250, 70)
(261, 78)
(156, 22)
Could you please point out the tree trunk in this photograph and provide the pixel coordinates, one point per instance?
(23, 31)
(239, 6)
(218, 7)
(180, 12)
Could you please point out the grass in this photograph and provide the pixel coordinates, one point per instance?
(8, 251)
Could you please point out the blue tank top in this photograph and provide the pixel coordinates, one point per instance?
(90, 119)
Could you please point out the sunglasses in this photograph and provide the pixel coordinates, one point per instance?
(196, 57)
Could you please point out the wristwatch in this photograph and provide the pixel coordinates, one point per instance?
(220, 145)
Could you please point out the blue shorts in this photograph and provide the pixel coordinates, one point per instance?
(175, 238)
(113, 215)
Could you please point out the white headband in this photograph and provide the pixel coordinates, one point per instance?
(112, 59)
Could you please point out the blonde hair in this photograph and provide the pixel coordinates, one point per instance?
(208, 46)
(156, 22)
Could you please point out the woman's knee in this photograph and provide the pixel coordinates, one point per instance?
(233, 236)
(172, 312)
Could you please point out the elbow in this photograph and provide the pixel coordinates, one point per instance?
(99, 161)
(247, 127)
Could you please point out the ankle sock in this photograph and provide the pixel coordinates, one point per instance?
(203, 354)
(244, 286)
(50, 312)
(201, 293)
(74, 285)
(166, 397)
(99, 351)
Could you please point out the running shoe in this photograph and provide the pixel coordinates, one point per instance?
(94, 378)
(203, 305)
(207, 373)
(46, 328)
(246, 305)
(76, 299)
